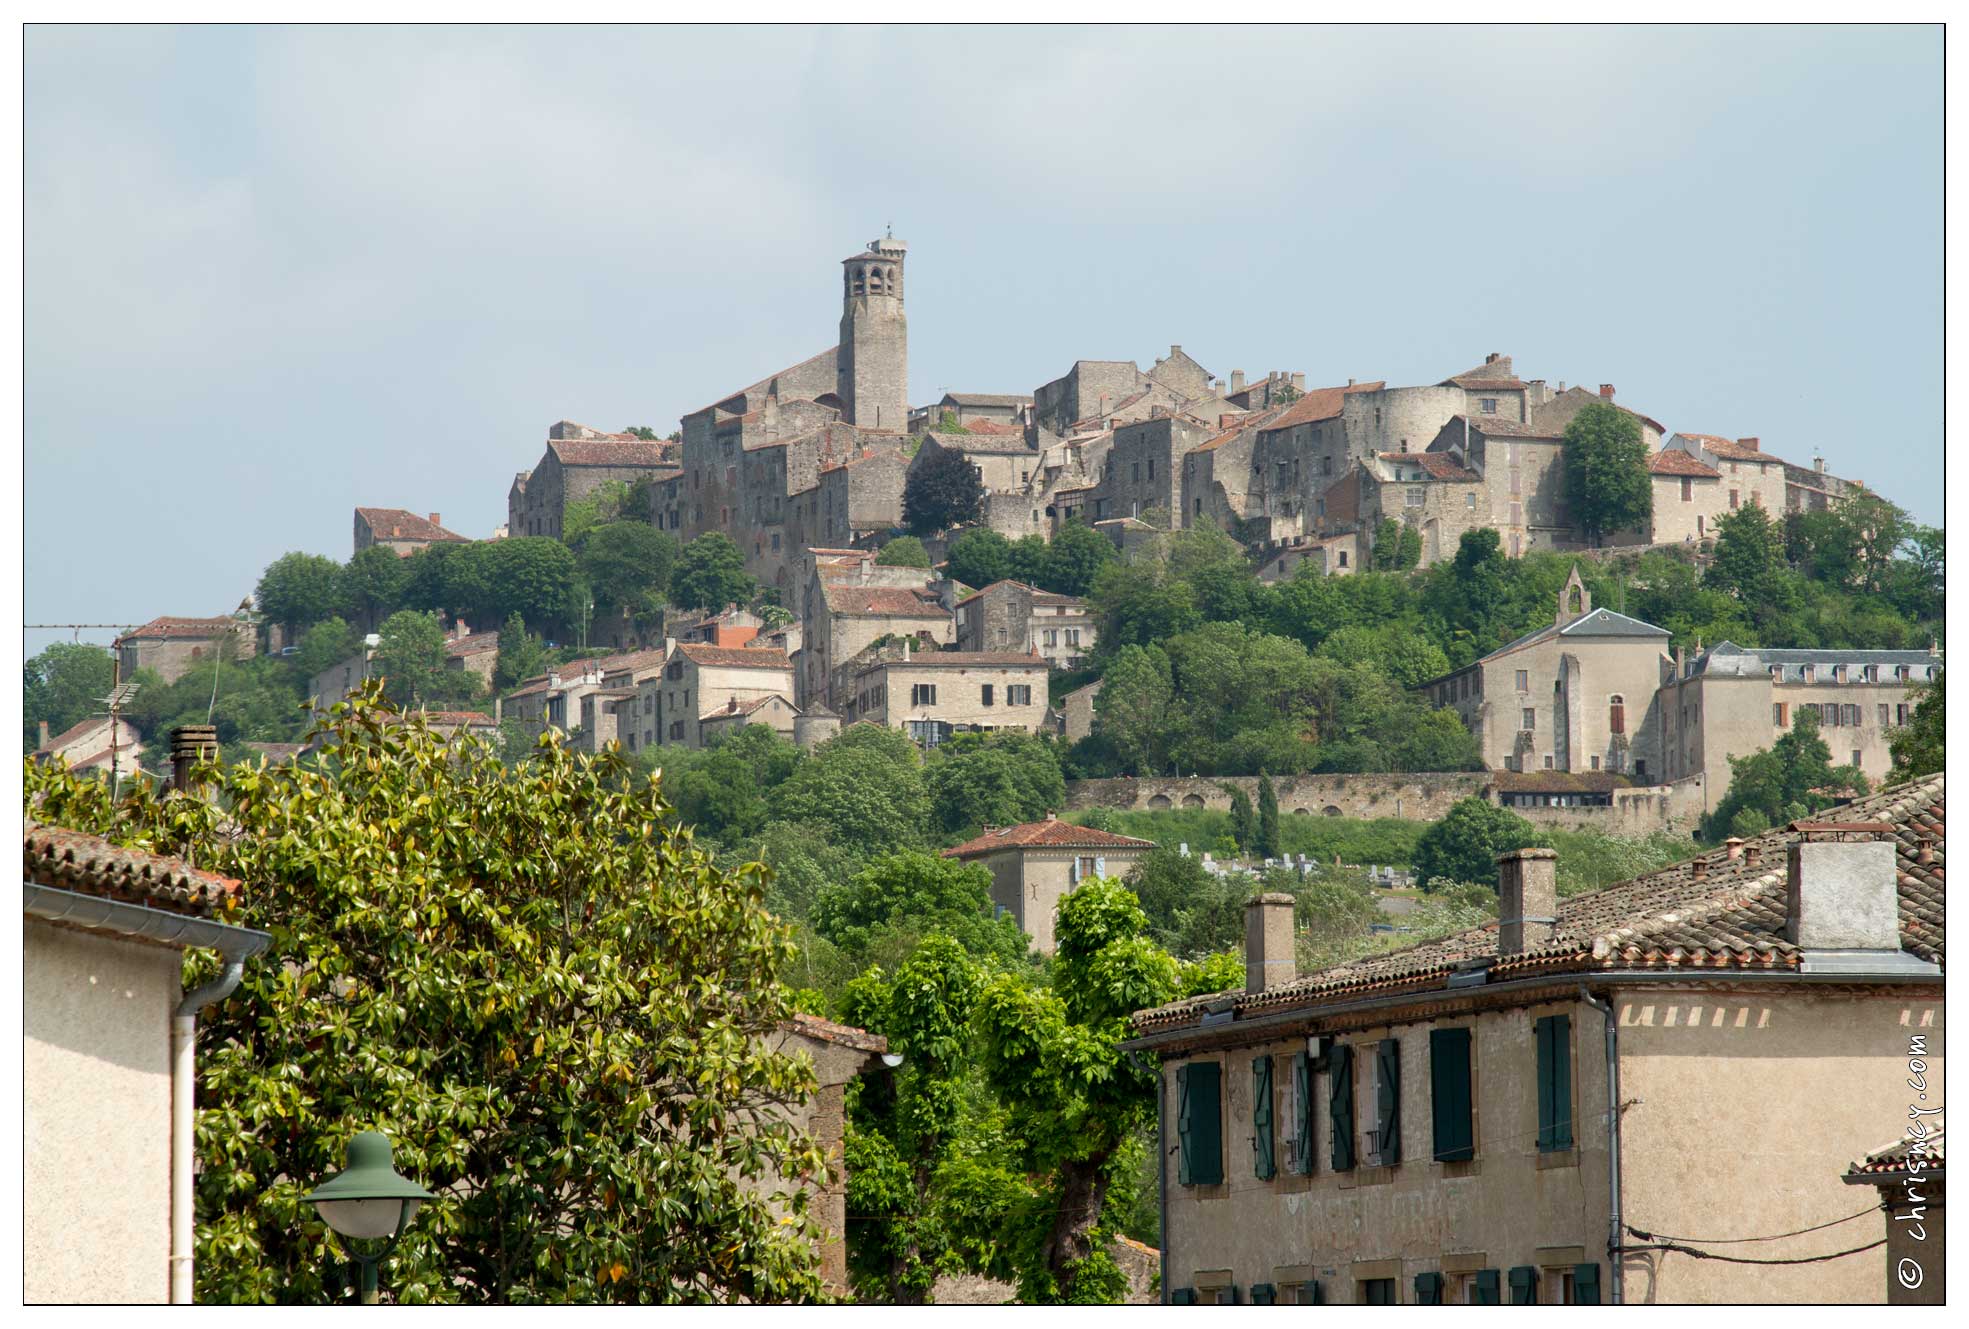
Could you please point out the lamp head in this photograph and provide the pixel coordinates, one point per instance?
(367, 1198)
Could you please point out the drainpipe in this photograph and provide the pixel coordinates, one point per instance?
(1615, 1273)
(184, 1084)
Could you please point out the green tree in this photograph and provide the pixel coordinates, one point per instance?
(1268, 842)
(1749, 561)
(627, 565)
(1606, 469)
(722, 790)
(603, 506)
(913, 891)
(299, 590)
(326, 645)
(373, 585)
(1792, 778)
(529, 575)
(521, 656)
(905, 551)
(65, 685)
(1464, 845)
(864, 785)
(1135, 708)
(644, 432)
(1002, 779)
(555, 1005)
(943, 490)
(1075, 557)
(1917, 745)
(1397, 546)
(979, 557)
(410, 658)
(1244, 822)
(710, 574)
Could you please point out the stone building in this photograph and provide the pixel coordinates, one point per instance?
(702, 681)
(1142, 476)
(578, 462)
(1432, 492)
(1731, 701)
(475, 653)
(404, 532)
(1509, 1114)
(933, 694)
(1747, 473)
(775, 712)
(1036, 865)
(839, 1054)
(108, 1069)
(974, 408)
(849, 606)
(1576, 696)
(94, 745)
(1296, 456)
(1277, 388)
(1688, 497)
(1012, 616)
(176, 646)
(1077, 711)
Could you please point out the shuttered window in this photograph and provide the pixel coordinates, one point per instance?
(1183, 1296)
(1340, 1107)
(1487, 1287)
(1554, 1083)
(1302, 1114)
(1264, 1294)
(1524, 1286)
(1429, 1289)
(1264, 1152)
(1449, 1094)
(1586, 1284)
(1199, 1123)
(1387, 1102)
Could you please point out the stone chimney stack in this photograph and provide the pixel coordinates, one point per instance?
(1841, 895)
(191, 744)
(1527, 899)
(1493, 357)
(1237, 380)
(1606, 392)
(1269, 960)
(1299, 381)
(44, 735)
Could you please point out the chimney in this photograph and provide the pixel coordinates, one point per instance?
(435, 521)
(1350, 383)
(1750, 443)
(1268, 956)
(1752, 855)
(191, 744)
(1237, 380)
(44, 735)
(1841, 894)
(498, 705)
(1528, 899)
(1733, 847)
(1818, 464)
(1492, 358)
(1299, 381)
(1606, 392)
(1562, 385)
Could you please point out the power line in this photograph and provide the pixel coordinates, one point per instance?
(1738, 1241)
(1695, 1253)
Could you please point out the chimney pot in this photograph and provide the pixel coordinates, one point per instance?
(1269, 960)
(1528, 899)
(1752, 855)
(1606, 391)
(1734, 847)
(1841, 895)
(191, 744)
(44, 734)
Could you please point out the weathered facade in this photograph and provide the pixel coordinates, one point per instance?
(398, 530)
(933, 694)
(578, 462)
(1034, 866)
(699, 681)
(176, 646)
(1012, 616)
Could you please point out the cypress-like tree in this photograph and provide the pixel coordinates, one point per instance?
(1268, 846)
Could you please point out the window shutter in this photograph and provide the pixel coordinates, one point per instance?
(1265, 1159)
(1264, 1294)
(1206, 1135)
(1183, 1131)
(1554, 1083)
(1388, 1095)
(1524, 1286)
(1100, 865)
(1429, 1289)
(1340, 1107)
(1183, 1296)
(1586, 1284)
(1302, 1123)
(1449, 1093)
(1487, 1287)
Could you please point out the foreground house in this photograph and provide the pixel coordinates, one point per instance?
(1515, 1113)
(1033, 866)
(107, 1074)
(1910, 1178)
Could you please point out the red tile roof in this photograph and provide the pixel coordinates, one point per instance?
(1730, 449)
(1039, 597)
(1049, 834)
(1321, 404)
(79, 730)
(397, 524)
(993, 427)
(733, 657)
(962, 660)
(1439, 465)
(812, 1026)
(458, 717)
(632, 661)
(606, 452)
(195, 629)
(1493, 375)
(1674, 461)
(1927, 1154)
(89, 865)
(882, 601)
(1496, 426)
(476, 644)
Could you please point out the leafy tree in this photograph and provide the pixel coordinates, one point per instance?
(1792, 778)
(1749, 562)
(1606, 468)
(410, 658)
(555, 1005)
(530, 575)
(710, 574)
(1397, 546)
(1267, 817)
(942, 491)
(1002, 779)
(373, 585)
(627, 565)
(722, 790)
(65, 685)
(1244, 822)
(1407, 657)
(1142, 604)
(644, 432)
(948, 423)
(905, 551)
(913, 891)
(1075, 557)
(604, 505)
(1464, 845)
(326, 645)
(865, 785)
(1135, 708)
(803, 860)
(299, 590)
(425, 585)
(979, 557)
(521, 656)
(1917, 746)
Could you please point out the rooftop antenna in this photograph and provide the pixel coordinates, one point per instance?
(119, 697)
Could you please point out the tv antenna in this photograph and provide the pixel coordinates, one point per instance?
(119, 697)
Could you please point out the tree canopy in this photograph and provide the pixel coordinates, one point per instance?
(1606, 469)
(1792, 778)
(943, 490)
(1464, 845)
(710, 574)
(65, 685)
(299, 590)
(627, 564)
(905, 551)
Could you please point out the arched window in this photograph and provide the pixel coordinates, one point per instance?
(1573, 594)
(1616, 714)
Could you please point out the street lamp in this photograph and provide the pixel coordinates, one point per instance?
(368, 1201)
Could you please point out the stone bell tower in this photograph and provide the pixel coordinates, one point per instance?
(872, 374)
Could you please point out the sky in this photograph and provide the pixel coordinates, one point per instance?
(276, 273)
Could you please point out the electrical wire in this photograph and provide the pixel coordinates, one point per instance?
(1697, 1254)
(1738, 1241)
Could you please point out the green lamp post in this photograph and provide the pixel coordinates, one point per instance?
(368, 1201)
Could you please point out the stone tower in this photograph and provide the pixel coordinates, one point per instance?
(873, 365)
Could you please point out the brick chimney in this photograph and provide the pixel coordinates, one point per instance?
(1606, 392)
(1749, 443)
(1527, 899)
(191, 744)
(435, 521)
(1269, 960)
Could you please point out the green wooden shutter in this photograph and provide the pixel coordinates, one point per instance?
(1183, 1128)
(1429, 1289)
(1206, 1121)
(1264, 1294)
(1312, 1293)
(1449, 1093)
(1388, 1102)
(1586, 1284)
(1487, 1287)
(1340, 1107)
(1524, 1286)
(1554, 1083)
(1264, 1160)
(1302, 1123)
(1183, 1296)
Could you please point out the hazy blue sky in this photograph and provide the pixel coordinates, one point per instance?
(276, 273)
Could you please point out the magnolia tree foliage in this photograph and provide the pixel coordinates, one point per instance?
(531, 979)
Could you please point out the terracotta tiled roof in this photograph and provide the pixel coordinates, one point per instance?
(734, 706)
(1730, 449)
(476, 644)
(882, 601)
(89, 865)
(994, 427)
(397, 524)
(1039, 597)
(760, 386)
(1496, 426)
(1049, 834)
(1731, 917)
(987, 399)
(633, 661)
(606, 452)
(1674, 461)
(195, 629)
(79, 730)
(962, 660)
(1321, 404)
(982, 441)
(1926, 1153)
(458, 717)
(1492, 374)
(733, 657)
(829, 1032)
(1439, 465)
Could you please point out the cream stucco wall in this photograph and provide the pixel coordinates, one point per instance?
(959, 693)
(1030, 883)
(96, 1116)
(1572, 723)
